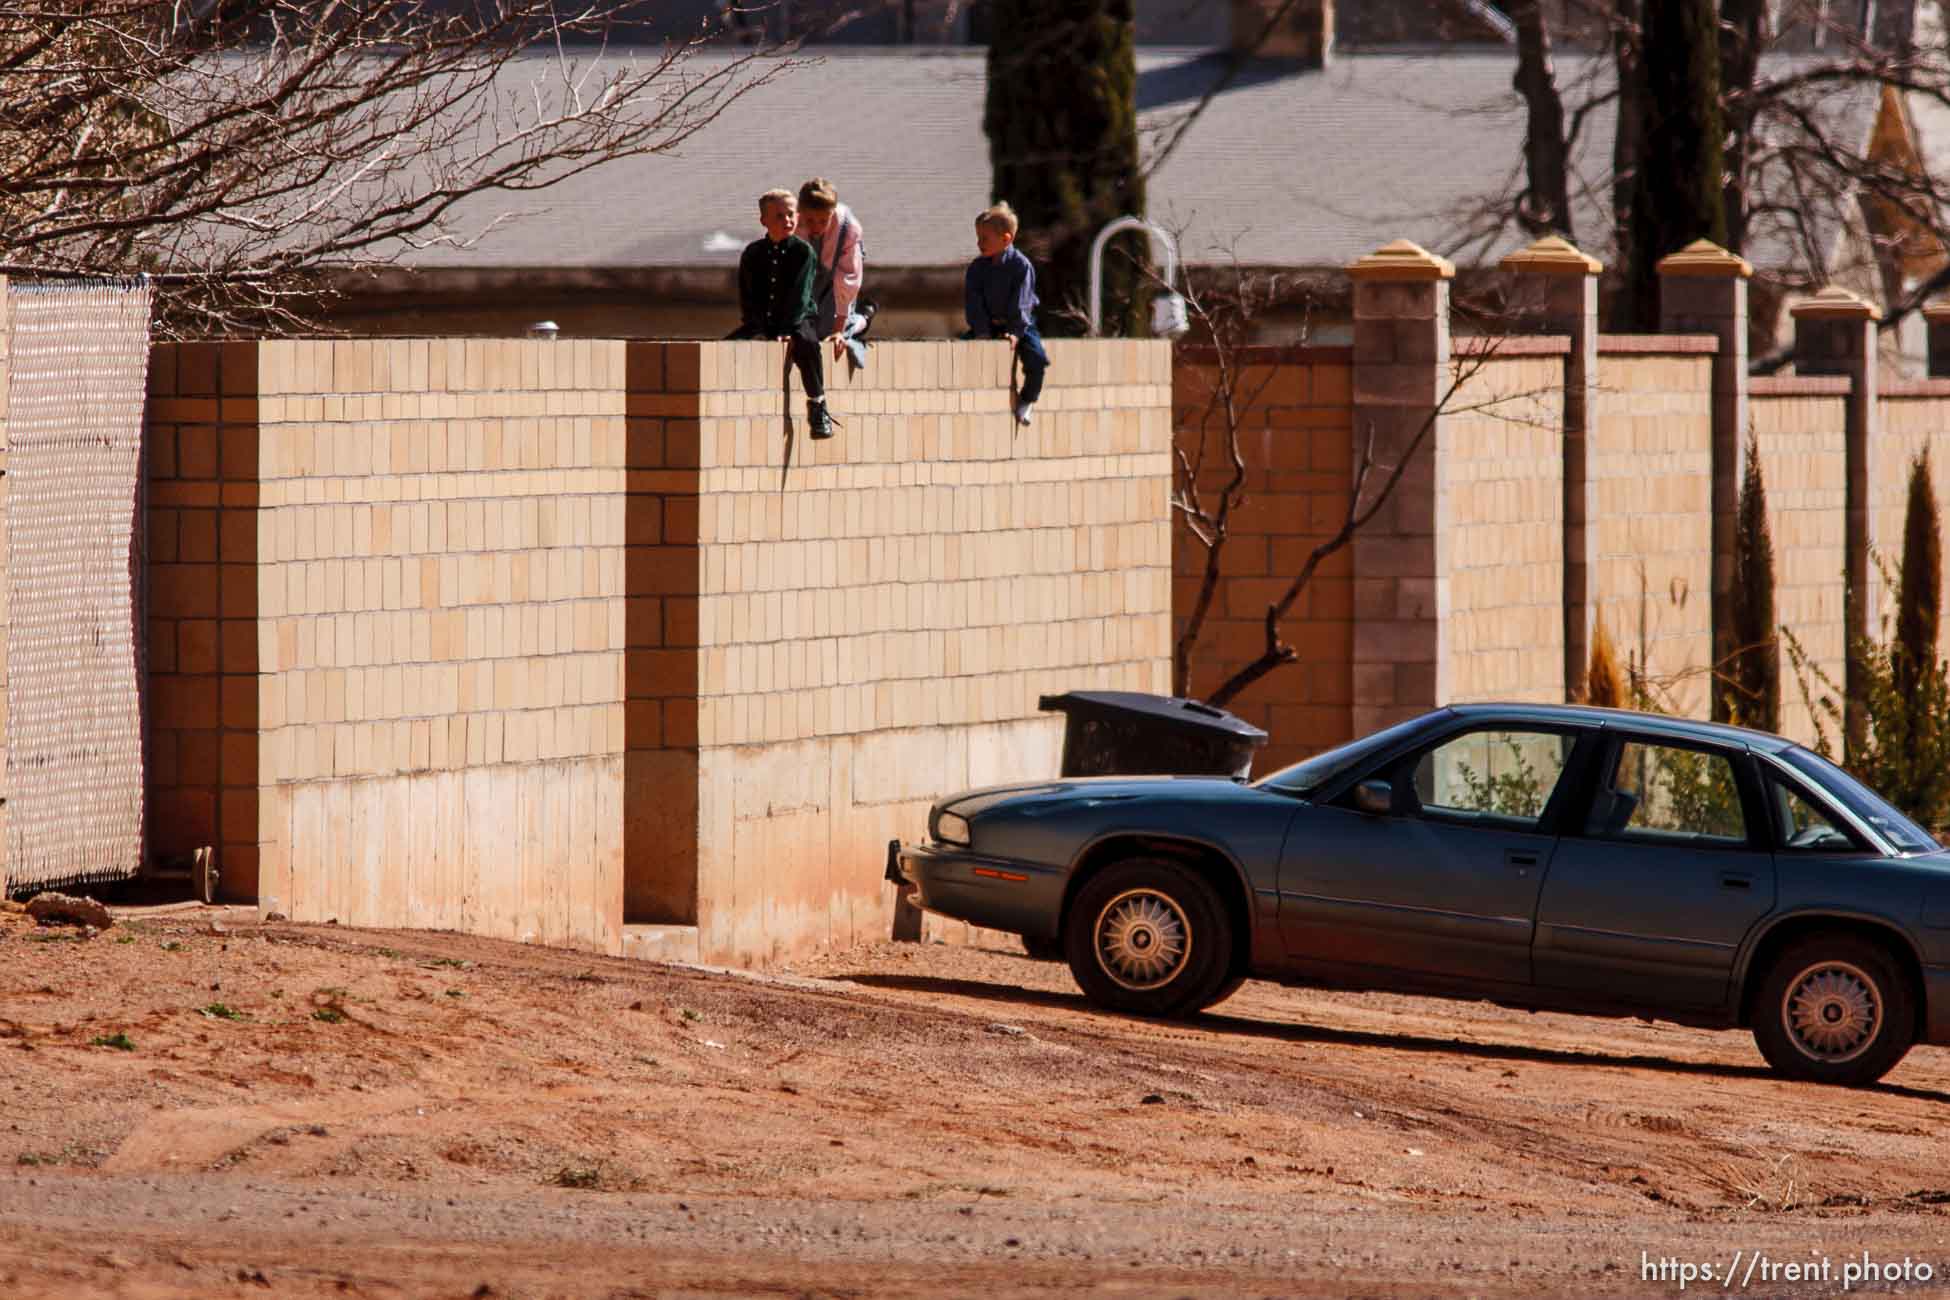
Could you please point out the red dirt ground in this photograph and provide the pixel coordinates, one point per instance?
(310, 1111)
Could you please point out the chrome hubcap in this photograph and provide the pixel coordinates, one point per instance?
(1832, 1011)
(1143, 939)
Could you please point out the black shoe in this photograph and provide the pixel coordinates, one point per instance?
(817, 420)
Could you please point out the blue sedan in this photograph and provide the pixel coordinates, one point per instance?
(1551, 857)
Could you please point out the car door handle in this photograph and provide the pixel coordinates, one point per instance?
(1735, 880)
(1523, 862)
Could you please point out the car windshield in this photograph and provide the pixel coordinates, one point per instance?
(1859, 799)
(1312, 773)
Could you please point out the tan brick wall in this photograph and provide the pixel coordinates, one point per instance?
(1908, 420)
(1499, 584)
(387, 628)
(6, 616)
(1651, 471)
(877, 623)
(1295, 418)
(1799, 424)
(200, 539)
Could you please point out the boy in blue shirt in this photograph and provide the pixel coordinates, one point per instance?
(1001, 300)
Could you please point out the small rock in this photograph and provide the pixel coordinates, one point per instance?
(276, 916)
(1151, 1099)
(62, 909)
(214, 927)
(1014, 1031)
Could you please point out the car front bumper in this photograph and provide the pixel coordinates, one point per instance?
(997, 893)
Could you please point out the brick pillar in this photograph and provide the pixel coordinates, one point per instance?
(1936, 316)
(1568, 279)
(1401, 371)
(1703, 290)
(6, 612)
(1835, 334)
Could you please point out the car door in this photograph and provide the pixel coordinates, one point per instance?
(1445, 882)
(1652, 890)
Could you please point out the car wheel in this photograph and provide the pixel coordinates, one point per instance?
(1149, 936)
(1042, 947)
(1835, 1009)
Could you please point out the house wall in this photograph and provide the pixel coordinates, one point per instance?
(1799, 427)
(1651, 472)
(1294, 416)
(1499, 529)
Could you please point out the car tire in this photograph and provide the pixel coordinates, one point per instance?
(1042, 947)
(1149, 936)
(1835, 1009)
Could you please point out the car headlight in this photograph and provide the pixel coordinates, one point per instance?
(951, 828)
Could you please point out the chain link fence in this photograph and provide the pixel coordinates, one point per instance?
(80, 353)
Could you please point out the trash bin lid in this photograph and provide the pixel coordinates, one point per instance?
(1169, 710)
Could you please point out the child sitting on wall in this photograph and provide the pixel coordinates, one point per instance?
(1001, 294)
(842, 315)
(775, 299)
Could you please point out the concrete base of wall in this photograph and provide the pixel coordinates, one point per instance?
(661, 942)
(530, 851)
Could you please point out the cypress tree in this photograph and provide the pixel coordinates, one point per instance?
(1752, 694)
(1061, 119)
(1677, 193)
(1918, 590)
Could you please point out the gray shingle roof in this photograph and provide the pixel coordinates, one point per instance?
(1287, 168)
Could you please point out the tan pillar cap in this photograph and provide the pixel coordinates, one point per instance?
(1835, 303)
(1402, 260)
(1705, 259)
(1937, 311)
(1552, 255)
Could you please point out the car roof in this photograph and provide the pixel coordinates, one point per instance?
(1656, 723)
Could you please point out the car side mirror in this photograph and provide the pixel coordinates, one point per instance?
(1376, 797)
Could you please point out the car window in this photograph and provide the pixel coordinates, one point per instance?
(1504, 776)
(1865, 803)
(1312, 773)
(1801, 825)
(1669, 793)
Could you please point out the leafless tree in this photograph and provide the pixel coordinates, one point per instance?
(1798, 101)
(1210, 471)
(237, 149)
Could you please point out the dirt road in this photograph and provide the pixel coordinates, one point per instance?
(196, 1105)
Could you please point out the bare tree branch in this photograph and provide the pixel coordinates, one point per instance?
(241, 148)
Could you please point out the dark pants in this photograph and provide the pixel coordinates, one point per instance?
(806, 353)
(1029, 351)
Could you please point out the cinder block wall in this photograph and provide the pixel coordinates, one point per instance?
(387, 628)
(200, 546)
(1295, 418)
(877, 623)
(1499, 532)
(1800, 426)
(534, 639)
(6, 614)
(1651, 468)
(1910, 417)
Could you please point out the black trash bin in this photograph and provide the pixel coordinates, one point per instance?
(1129, 733)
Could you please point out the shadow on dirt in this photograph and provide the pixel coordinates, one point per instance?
(1292, 1033)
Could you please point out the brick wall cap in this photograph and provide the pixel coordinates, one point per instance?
(1552, 255)
(1402, 260)
(1936, 311)
(1835, 303)
(1704, 258)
